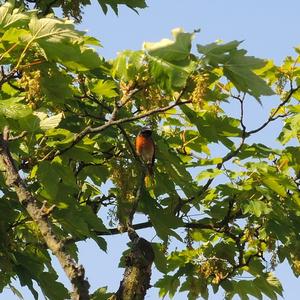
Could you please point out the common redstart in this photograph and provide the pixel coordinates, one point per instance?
(145, 148)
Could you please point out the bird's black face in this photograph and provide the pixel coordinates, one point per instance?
(146, 131)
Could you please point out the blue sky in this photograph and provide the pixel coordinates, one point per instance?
(270, 29)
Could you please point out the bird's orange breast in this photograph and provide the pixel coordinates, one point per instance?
(144, 147)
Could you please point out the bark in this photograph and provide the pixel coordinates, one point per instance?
(13, 180)
(137, 273)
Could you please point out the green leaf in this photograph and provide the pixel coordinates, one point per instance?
(128, 64)
(105, 89)
(269, 285)
(52, 288)
(72, 220)
(291, 129)
(257, 208)
(195, 287)
(215, 53)
(25, 280)
(273, 183)
(133, 4)
(237, 67)
(171, 51)
(209, 173)
(59, 136)
(56, 84)
(49, 178)
(225, 251)
(15, 35)
(244, 79)
(100, 241)
(11, 108)
(243, 288)
(98, 174)
(256, 150)
(60, 42)
(167, 285)
(92, 219)
(51, 29)
(175, 169)
(10, 16)
(212, 127)
(53, 175)
(101, 294)
(167, 74)
(73, 56)
(162, 220)
(160, 259)
(48, 122)
(169, 61)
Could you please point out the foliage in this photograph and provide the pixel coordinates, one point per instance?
(74, 8)
(73, 118)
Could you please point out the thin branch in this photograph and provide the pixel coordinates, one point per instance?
(242, 263)
(5, 77)
(272, 116)
(110, 123)
(19, 136)
(20, 89)
(228, 217)
(18, 222)
(129, 142)
(138, 117)
(241, 100)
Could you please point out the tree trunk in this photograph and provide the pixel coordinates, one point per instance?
(137, 274)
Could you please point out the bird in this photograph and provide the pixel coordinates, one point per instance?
(145, 148)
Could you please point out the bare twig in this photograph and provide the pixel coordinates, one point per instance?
(272, 116)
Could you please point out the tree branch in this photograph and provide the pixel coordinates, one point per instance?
(75, 273)
(148, 224)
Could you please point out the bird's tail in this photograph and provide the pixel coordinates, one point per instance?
(149, 178)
